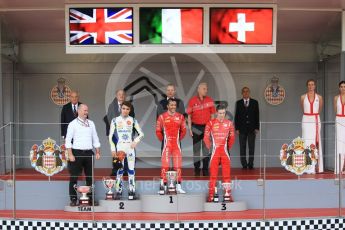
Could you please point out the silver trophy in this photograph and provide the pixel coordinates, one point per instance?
(172, 181)
(109, 185)
(162, 188)
(84, 200)
(227, 192)
(216, 196)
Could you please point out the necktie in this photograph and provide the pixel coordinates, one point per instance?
(74, 110)
(246, 103)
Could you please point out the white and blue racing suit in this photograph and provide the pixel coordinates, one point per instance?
(120, 138)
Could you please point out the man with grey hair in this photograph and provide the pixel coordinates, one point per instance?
(200, 110)
(247, 124)
(170, 93)
(69, 112)
(114, 108)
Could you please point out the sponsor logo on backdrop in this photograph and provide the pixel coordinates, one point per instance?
(274, 93)
(145, 85)
(299, 158)
(48, 158)
(60, 93)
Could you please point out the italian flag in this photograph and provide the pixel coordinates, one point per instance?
(177, 26)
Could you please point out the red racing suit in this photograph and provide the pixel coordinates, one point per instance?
(222, 134)
(171, 128)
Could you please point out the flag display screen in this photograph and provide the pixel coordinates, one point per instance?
(100, 26)
(241, 26)
(171, 25)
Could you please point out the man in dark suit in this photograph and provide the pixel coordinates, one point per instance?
(170, 93)
(247, 126)
(69, 112)
(114, 108)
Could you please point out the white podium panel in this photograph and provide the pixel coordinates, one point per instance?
(85, 209)
(225, 207)
(121, 205)
(181, 203)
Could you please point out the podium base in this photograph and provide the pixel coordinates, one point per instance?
(181, 203)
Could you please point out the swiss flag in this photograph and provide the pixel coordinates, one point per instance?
(241, 26)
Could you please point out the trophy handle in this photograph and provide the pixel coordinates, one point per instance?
(75, 187)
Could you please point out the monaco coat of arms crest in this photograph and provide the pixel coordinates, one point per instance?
(299, 158)
(48, 158)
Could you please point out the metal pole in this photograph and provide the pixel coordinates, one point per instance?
(13, 166)
(14, 185)
(177, 202)
(93, 190)
(342, 54)
(260, 149)
(325, 117)
(340, 178)
(338, 169)
(13, 174)
(341, 77)
(2, 113)
(264, 189)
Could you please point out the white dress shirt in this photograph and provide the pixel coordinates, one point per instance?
(74, 107)
(246, 102)
(119, 106)
(84, 135)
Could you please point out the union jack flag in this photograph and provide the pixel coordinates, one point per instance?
(100, 26)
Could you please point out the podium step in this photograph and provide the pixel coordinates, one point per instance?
(236, 206)
(85, 209)
(180, 203)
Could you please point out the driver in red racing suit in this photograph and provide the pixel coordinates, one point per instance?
(171, 127)
(222, 134)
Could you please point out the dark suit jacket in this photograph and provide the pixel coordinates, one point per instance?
(113, 111)
(162, 107)
(247, 118)
(67, 116)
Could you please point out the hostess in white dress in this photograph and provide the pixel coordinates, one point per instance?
(340, 132)
(311, 126)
